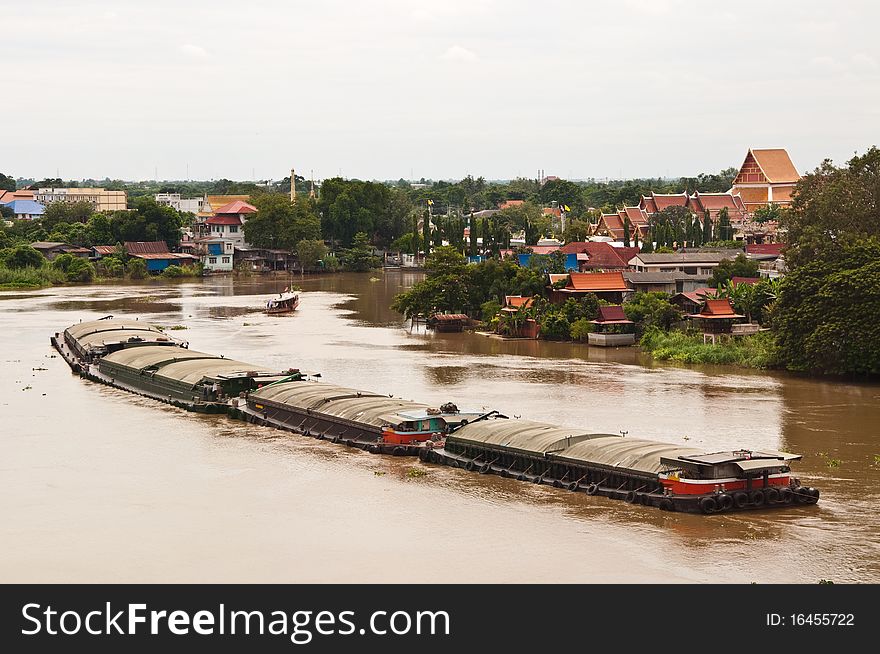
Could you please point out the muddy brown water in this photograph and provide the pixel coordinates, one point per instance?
(99, 485)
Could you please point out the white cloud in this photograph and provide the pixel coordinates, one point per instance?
(862, 60)
(195, 51)
(458, 53)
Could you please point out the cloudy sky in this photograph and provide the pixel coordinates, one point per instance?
(439, 89)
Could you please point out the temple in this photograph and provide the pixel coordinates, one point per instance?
(766, 176)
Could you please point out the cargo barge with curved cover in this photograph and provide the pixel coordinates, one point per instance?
(140, 358)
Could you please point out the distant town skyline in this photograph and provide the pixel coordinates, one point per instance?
(412, 89)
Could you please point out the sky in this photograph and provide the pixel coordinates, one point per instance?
(442, 89)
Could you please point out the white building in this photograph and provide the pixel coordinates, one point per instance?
(186, 205)
(228, 222)
(218, 254)
(101, 199)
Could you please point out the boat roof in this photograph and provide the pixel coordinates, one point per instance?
(424, 414)
(283, 296)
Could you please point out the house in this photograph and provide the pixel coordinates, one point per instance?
(101, 199)
(216, 254)
(611, 328)
(608, 286)
(599, 255)
(263, 259)
(9, 196)
(506, 204)
(700, 264)
(528, 328)
(571, 261)
(52, 249)
(228, 221)
(210, 205)
(751, 281)
(690, 302)
(716, 317)
(26, 209)
(766, 176)
(101, 251)
(652, 282)
(156, 255)
(513, 303)
(176, 202)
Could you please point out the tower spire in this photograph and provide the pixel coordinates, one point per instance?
(292, 185)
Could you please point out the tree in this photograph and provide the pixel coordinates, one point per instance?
(563, 192)
(7, 183)
(725, 231)
(627, 227)
(727, 268)
(309, 252)
(280, 223)
(576, 231)
(651, 310)
(832, 209)
(426, 231)
(99, 229)
(58, 213)
(359, 257)
(825, 319)
(24, 256)
(707, 227)
(147, 221)
(767, 213)
(473, 245)
(445, 287)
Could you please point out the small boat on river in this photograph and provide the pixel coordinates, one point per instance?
(286, 302)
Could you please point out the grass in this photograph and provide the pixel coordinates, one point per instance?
(29, 277)
(753, 351)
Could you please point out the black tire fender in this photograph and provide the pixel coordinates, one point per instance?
(708, 505)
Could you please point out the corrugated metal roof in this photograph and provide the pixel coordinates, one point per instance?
(619, 452)
(339, 401)
(146, 247)
(194, 370)
(121, 336)
(523, 435)
(148, 356)
(92, 326)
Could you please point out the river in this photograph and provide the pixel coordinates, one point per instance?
(99, 485)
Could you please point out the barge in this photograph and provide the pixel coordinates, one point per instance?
(140, 358)
(663, 475)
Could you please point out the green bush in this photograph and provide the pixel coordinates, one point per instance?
(136, 268)
(489, 310)
(23, 256)
(555, 327)
(112, 266)
(754, 351)
(75, 269)
(175, 271)
(30, 277)
(579, 329)
(651, 309)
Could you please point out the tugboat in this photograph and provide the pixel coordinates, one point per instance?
(286, 302)
(428, 426)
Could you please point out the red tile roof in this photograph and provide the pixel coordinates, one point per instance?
(510, 203)
(636, 215)
(717, 309)
(224, 219)
(764, 248)
(612, 314)
(597, 282)
(662, 201)
(544, 249)
(776, 165)
(744, 280)
(516, 302)
(236, 206)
